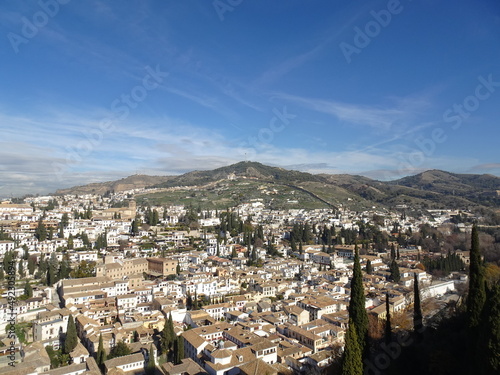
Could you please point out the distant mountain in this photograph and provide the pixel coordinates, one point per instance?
(247, 169)
(479, 189)
(430, 189)
(132, 182)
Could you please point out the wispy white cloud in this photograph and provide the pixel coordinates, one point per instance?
(493, 168)
(285, 67)
(379, 118)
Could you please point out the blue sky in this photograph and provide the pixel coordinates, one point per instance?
(99, 90)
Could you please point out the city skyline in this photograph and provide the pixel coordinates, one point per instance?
(384, 89)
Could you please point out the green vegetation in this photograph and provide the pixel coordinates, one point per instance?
(418, 319)
(57, 357)
(477, 294)
(71, 339)
(357, 310)
(352, 362)
(121, 349)
(230, 193)
(168, 338)
(101, 353)
(446, 265)
(394, 269)
(151, 366)
(463, 340)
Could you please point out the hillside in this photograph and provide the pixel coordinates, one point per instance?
(477, 189)
(277, 187)
(127, 183)
(245, 169)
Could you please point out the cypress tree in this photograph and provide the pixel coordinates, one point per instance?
(165, 338)
(357, 311)
(70, 241)
(101, 353)
(195, 300)
(171, 331)
(388, 327)
(28, 290)
(352, 362)
(369, 268)
(394, 268)
(489, 353)
(41, 231)
(151, 365)
(21, 269)
(418, 323)
(51, 277)
(71, 338)
(477, 294)
(179, 353)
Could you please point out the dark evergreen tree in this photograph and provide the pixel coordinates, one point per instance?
(357, 311)
(51, 276)
(101, 352)
(394, 269)
(393, 252)
(195, 300)
(179, 350)
(388, 327)
(477, 293)
(85, 239)
(369, 268)
(156, 218)
(489, 344)
(165, 339)
(352, 361)
(135, 227)
(41, 231)
(20, 269)
(26, 254)
(418, 320)
(64, 270)
(121, 349)
(61, 231)
(151, 365)
(171, 331)
(64, 220)
(70, 242)
(71, 339)
(28, 290)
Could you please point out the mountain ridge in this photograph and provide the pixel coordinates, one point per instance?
(432, 188)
